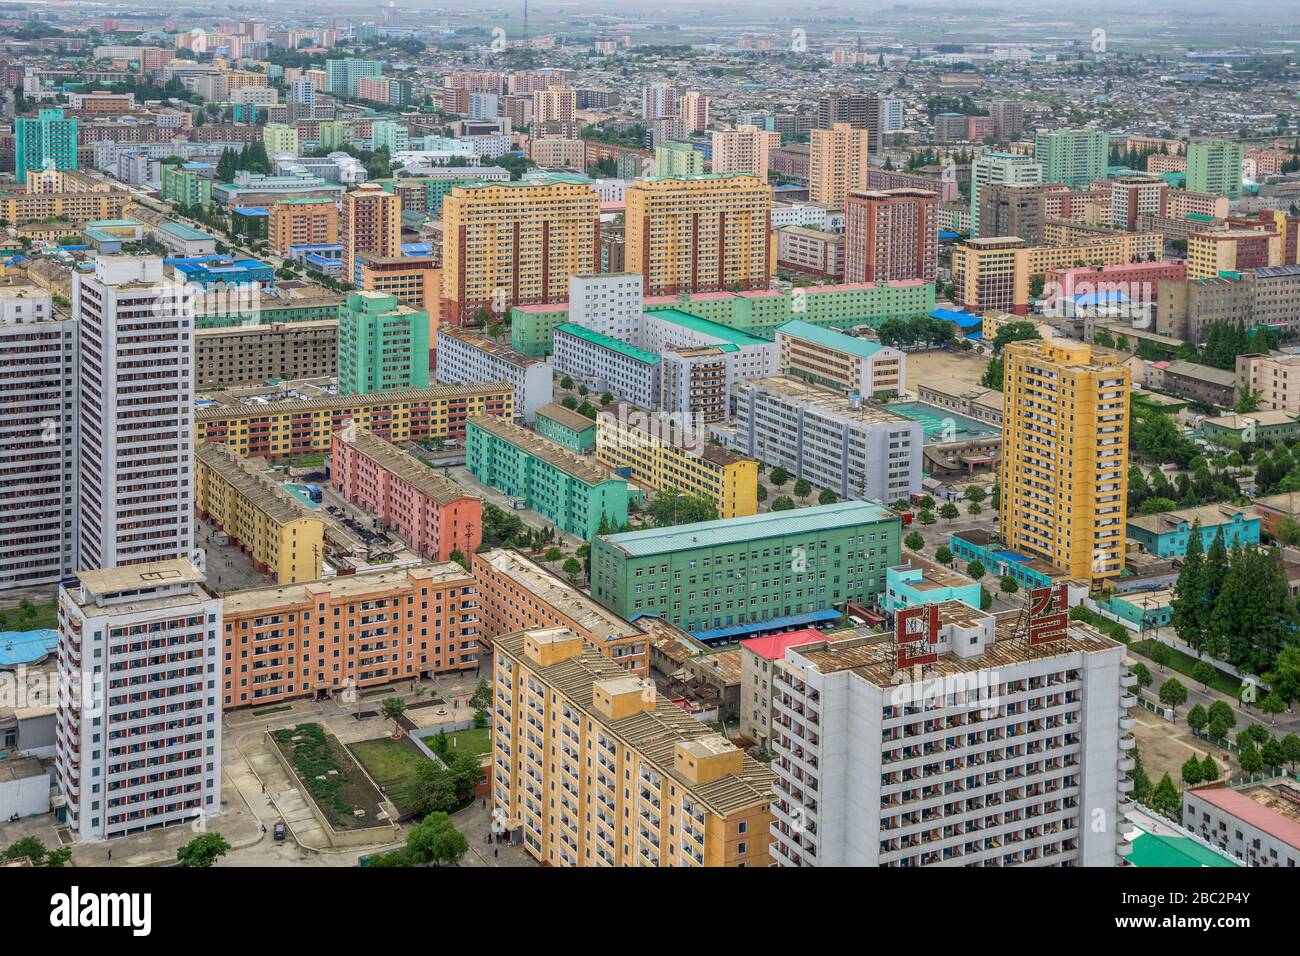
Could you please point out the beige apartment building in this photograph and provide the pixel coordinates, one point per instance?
(837, 164)
(743, 150)
(1276, 378)
(592, 767)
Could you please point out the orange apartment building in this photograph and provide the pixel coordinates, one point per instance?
(300, 222)
(371, 223)
(515, 243)
(594, 768)
(360, 630)
(415, 280)
(517, 593)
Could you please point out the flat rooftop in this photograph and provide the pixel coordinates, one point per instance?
(747, 531)
(863, 348)
(344, 586)
(227, 405)
(484, 344)
(828, 400)
(566, 417)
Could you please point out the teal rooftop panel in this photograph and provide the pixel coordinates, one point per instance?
(609, 342)
(863, 348)
(705, 327)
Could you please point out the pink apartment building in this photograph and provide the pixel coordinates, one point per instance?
(434, 515)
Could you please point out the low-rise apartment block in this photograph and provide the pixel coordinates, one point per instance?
(254, 354)
(739, 576)
(663, 454)
(436, 517)
(304, 426)
(320, 638)
(856, 449)
(284, 538)
(831, 358)
(636, 781)
(579, 497)
(566, 427)
(628, 373)
(516, 593)
(465, 357)
(1258, 824)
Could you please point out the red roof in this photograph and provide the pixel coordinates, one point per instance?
(773, 646)
(1255, 814)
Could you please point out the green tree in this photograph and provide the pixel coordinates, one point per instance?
(1143, 675)
(1165, 799)
(949, 511)
(1248, 755)
(1272, 705)
(566, 383)
(1291, 749)
(974, 494)
(1203, 673)
(943, 554)
(552, 555)
(926, 517)
(802, 489)
(394, 708)
(761, 493)
(1173, 693)
(1008, 584)
(1192, 772)
(783, 503)
(1284, 678)
(975, 570)
(827, 497)
(436, 840)
(1273, 754)
(572, 569)
(974, 509)
(779, 476)
(914, 541)
(1160, 653)
(1197, 718)
(32, 849)
(1209, 770)
(429, 789)
(203, 850)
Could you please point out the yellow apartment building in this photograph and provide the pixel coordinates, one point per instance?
(656, 455)
(284, 537)
(295, 427)
(1064, 468)
(516, 243)
(709, 233)
(302, 222)
(596, 769)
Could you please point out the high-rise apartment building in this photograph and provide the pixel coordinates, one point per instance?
(38, 461)
(1075, 157)
(633, 781)
(306, 220)
(371, 223)
(1008, 118)
(1012, 209)
(1214, 167)
(135, 429)
(508, 244)
(47, 141)
(341, 75)
(1064, 469)
(837, 164)
(555, 104)
(138, 738)
(707, 233)
(999, 168)
(1132, 197)
(693, 111)
(891, 234)
(994, 751)
(383, 345)
(743, 150)
(659, 100)
(280, 138)
(857, 110)
(677, 160)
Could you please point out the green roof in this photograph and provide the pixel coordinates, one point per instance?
(864, 348)
(705, 327)
(303, 200)
(1151, 849)
(182, 231)
(609, 342)
(744, 531)
(111, 223)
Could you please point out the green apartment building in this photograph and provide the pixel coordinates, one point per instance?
(732, 577)
(677, 160)
(571, 492)
(566, 427)
(48, 138)
(759, 313)
(1215, 167)
(221, 312)
(1075, 157)
(383, 345)
(185, 187)
(341, 75)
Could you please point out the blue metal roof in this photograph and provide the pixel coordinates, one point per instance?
(964, 319)
(780, 623)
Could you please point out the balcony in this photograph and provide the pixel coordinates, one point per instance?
(1127, 742)
(1127, 680)
(1128, 700)
(1126, 764)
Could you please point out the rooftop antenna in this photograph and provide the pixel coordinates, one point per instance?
(525, 19)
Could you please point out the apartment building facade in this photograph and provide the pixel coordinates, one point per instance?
(891, 234)
(831, 358)
(256, 354)
(467, 358)
(628, 373)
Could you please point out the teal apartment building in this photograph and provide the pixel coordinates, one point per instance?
(1166, 535)
(383, 345)
(1075, 157)
(49, 137)
(571, 492)
(733, 578)
(567, 428)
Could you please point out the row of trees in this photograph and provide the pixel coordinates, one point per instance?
(918, 330)
(1154, 494)
(251, 157)
(1008, 333)
(1234, 605)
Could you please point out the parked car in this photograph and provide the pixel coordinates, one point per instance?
(280, 831)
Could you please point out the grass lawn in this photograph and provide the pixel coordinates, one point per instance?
(309, 461)
(475, 741)
(1183, 663)
(42, 616)
(390, 762)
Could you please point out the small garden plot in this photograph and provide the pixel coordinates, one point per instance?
(335, 783)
